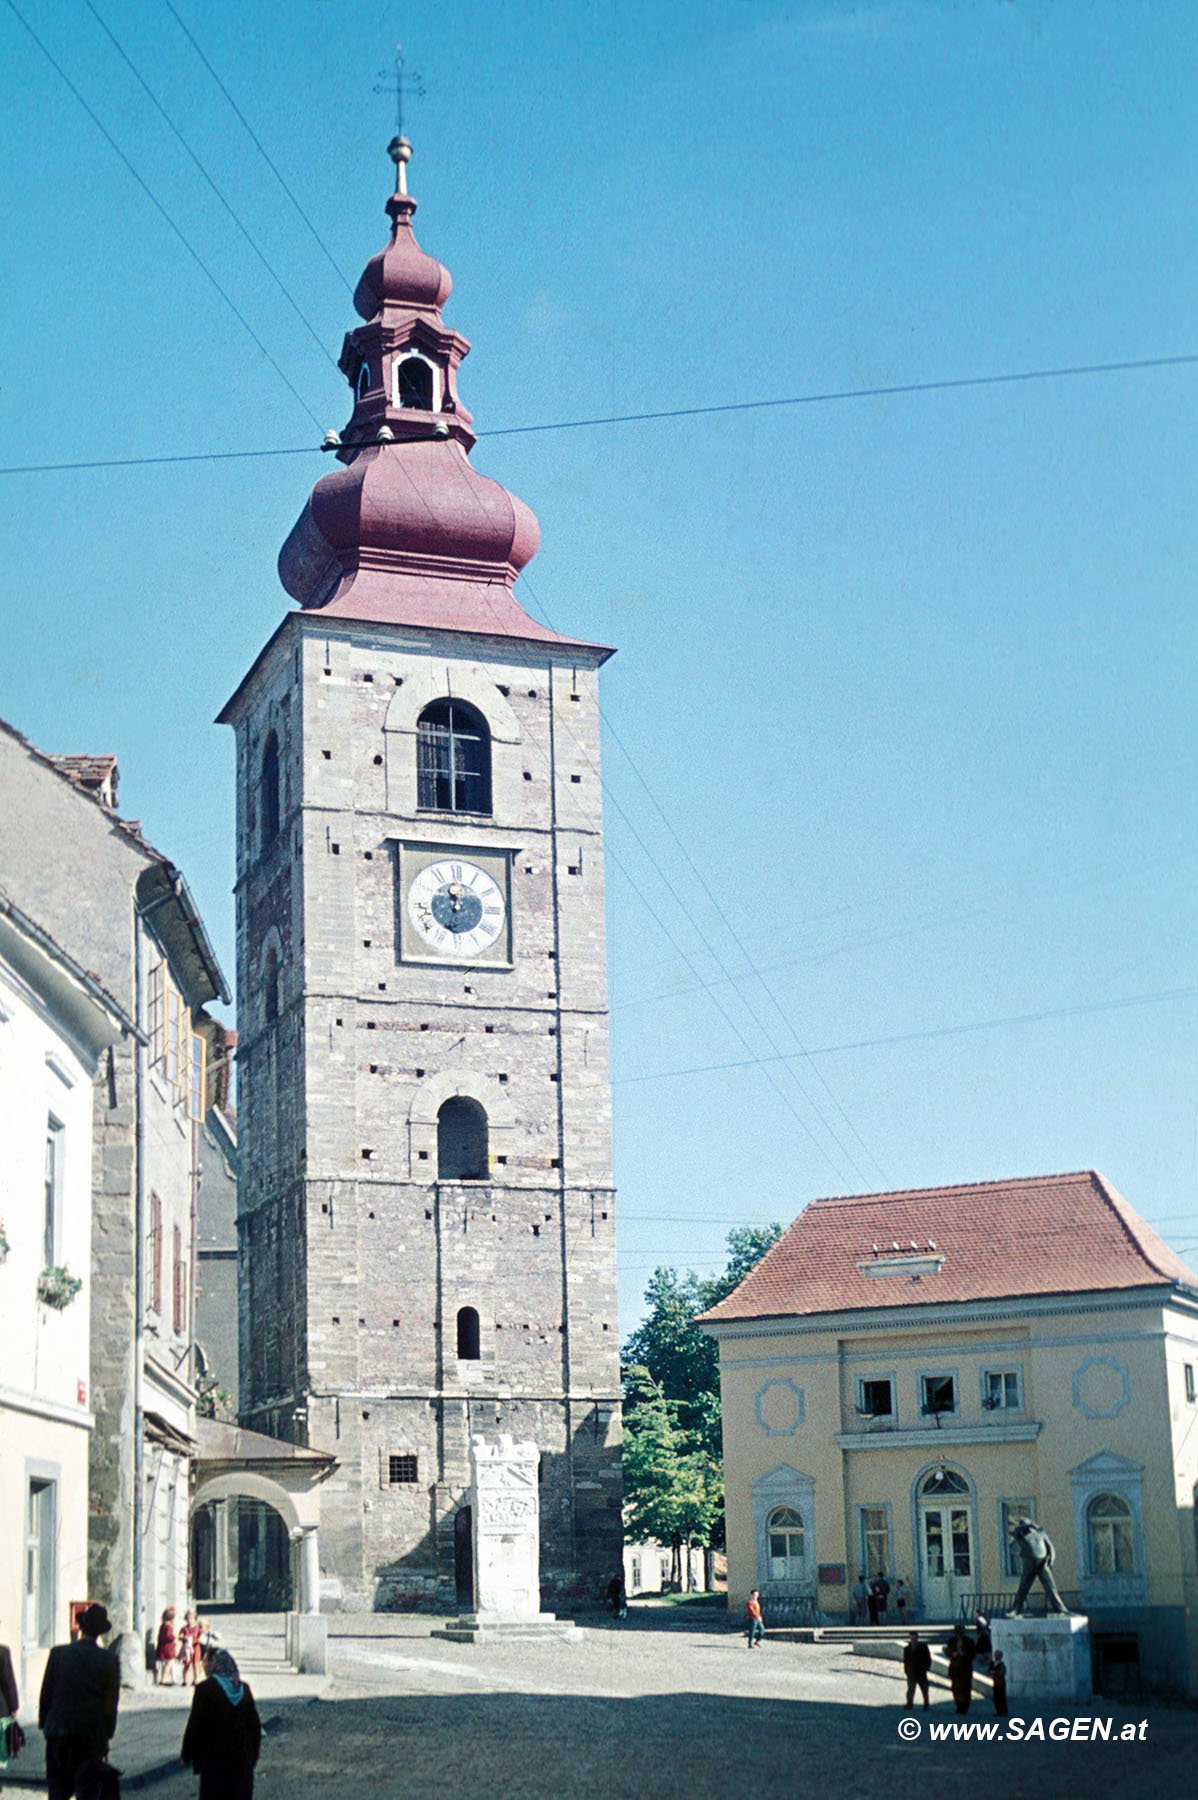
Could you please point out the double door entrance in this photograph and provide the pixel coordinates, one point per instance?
(946, 1547)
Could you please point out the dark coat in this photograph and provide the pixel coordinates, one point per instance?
(81, 1690)
(219, 1734)
(10, 1700)
(917, 1660)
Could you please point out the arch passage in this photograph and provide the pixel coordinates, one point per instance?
(453, 759)
(462, 1152)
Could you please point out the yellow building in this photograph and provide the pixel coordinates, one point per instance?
(904, 1375)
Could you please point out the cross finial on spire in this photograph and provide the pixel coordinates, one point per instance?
(401, 82)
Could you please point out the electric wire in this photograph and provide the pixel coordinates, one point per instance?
(915, 1037)
(712, 949)
(258, 145)
(292, 302)
(1129, 365)
(159, 207)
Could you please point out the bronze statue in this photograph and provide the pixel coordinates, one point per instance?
(1035, 1548)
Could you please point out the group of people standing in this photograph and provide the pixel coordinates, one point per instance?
(964, 1653)
(184, 1649)
(871, 1599)
(77, 1714)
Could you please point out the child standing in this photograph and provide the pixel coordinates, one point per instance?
(189, 1648)
(166, 1650)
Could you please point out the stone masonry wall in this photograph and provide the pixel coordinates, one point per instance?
(356, 1258)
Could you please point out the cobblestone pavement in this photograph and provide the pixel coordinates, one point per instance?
(653, 1711)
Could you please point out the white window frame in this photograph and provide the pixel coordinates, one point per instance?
(408, 353)
(1011, 1508)
(1003, 1373)
(53, 1191)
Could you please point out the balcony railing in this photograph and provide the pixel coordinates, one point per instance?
(998, 1605)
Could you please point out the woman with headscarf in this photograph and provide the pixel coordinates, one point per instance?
(223, 1733)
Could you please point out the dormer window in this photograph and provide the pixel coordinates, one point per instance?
(363, 383)
(414, 383)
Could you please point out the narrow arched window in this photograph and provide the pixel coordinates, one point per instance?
(363, 381)
(414, 383)
(1112, 1548)
(268, 790)
(469, 1338)
(270, 984)
(461, 1140)
(787, 1544)
(453, 759)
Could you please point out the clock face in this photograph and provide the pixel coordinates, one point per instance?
(456, 908)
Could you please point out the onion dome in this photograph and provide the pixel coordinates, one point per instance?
(407, 531)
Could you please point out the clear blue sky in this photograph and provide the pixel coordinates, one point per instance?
(912, 679)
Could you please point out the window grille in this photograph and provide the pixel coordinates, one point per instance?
(401, 1469)
(453, 759)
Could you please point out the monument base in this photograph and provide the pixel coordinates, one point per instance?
(1047, 1658)
(307, 1643)
(493, 1628)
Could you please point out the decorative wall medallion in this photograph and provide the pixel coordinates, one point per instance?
(779, 1408)
(1101, 1387)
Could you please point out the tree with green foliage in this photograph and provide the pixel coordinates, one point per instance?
(673, 1469)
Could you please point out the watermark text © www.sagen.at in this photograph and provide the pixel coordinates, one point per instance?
(1080, 1729)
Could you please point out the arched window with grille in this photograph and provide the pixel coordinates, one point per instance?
(414, 384)
(453, 759)
(787, 1544)
(461, 1140)
(268, 791)
(469, 1335)
(1109, 1531)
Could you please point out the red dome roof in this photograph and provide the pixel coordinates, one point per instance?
(402, 274)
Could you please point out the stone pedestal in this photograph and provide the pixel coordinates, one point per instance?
(1047, 1658)
(307, 1643)
(506, 1509)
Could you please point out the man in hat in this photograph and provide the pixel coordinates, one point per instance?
(77, 1709)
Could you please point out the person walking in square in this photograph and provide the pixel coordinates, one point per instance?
(917, 1666)
(77, 1709)
(224, 1733)
(998, 1675)
(754, 1624)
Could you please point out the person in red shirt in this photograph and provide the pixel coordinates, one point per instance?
(753, 1620)
(166, 1650)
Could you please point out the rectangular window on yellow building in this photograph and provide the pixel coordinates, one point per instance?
(1009, 1514)
(875, 1540)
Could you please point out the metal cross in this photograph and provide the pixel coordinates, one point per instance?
(401, 82)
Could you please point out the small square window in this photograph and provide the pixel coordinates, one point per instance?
(937, 1394)
(401, 1469)
(1000, 1390)
(875, 1397)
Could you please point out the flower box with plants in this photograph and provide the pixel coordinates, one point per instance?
(57, 1287)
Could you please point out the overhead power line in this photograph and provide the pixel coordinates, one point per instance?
(159, 207)
(1130, 365)
(292, 302)
(915, 1037)
(258, 144)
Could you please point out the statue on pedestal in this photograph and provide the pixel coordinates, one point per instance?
(1036, 1552)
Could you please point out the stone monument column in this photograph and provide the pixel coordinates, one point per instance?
(505, 1503)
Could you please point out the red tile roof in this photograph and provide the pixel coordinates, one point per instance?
(1045, 1234)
